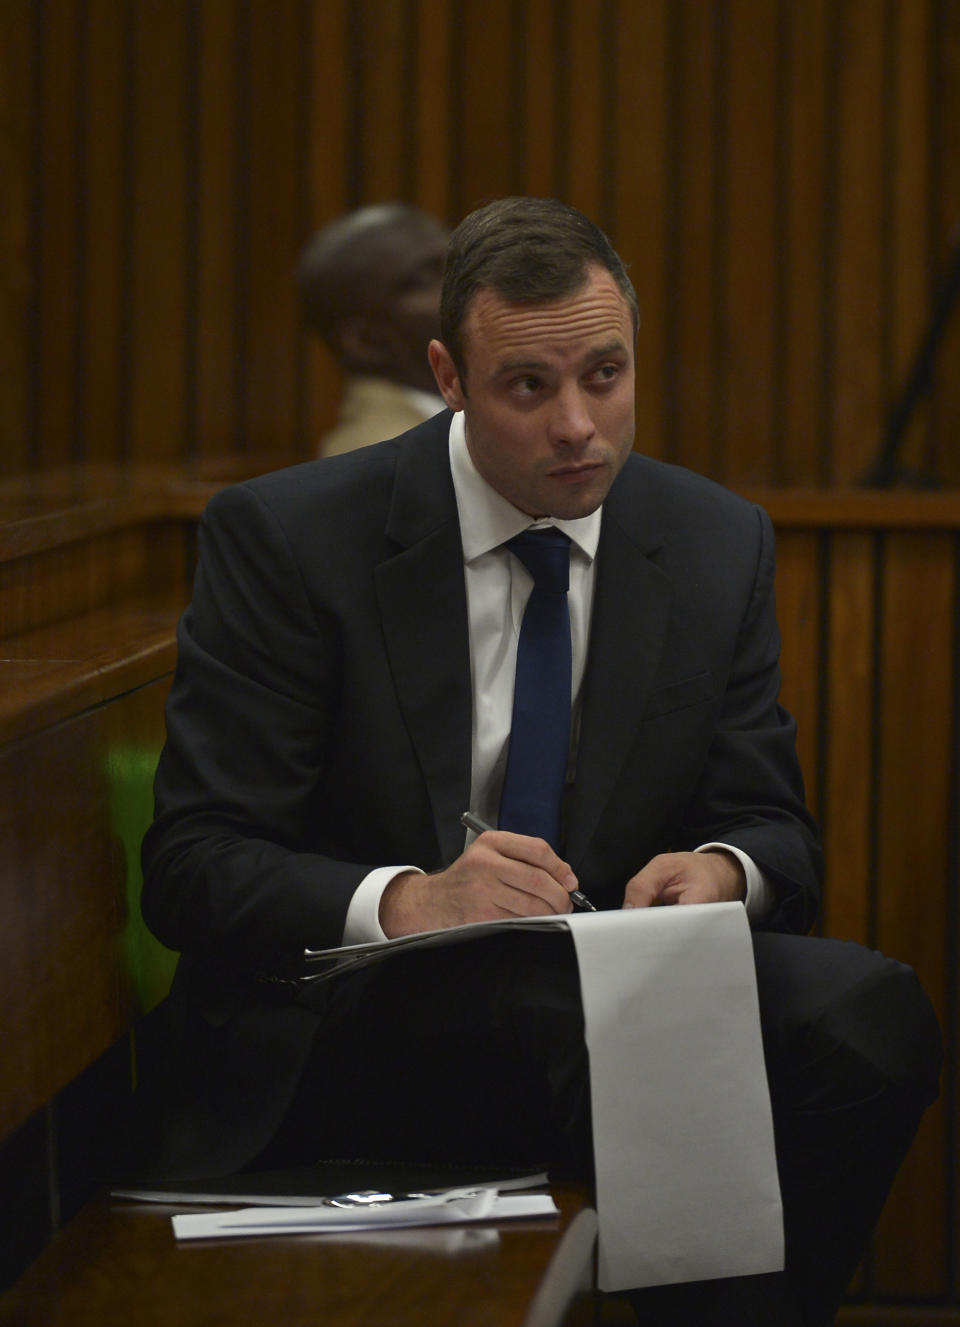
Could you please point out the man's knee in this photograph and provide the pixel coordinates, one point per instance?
(854, 1016)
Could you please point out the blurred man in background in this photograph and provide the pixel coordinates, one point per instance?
(369, 285)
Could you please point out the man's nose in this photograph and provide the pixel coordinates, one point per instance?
(571, 422)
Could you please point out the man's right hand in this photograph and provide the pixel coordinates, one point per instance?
(499, 875)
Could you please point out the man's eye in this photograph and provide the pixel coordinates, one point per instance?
(527, 385)
(605, 373)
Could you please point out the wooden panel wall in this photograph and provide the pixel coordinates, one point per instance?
(782, 175)
(75, 959)
(869, 606)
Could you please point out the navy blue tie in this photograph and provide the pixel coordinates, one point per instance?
(540, 730)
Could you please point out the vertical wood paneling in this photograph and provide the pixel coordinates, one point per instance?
(912, 265)
(693, 289)
(585, 107)
(639, 224)
(797, 442)
(912, 882)
(381, 32)
(537, 127)
(951, 1024)
(849, 736)
(327, 179)
(66, 800)
(779, 174)
(326, 107)
(860, 264)
(485, 109)
(159, 231)
(62, 876)
(799, 615)
(99, 421)
(946, 203)
(887, 747)
(16, 124)
(435, 132)
(60, 231)
(749, 198)
(272, 205)
(215, 145)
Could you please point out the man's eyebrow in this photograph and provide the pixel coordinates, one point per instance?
(617, 347)
(521, 365)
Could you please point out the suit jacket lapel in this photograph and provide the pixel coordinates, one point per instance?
(631, 607)
(423, 610)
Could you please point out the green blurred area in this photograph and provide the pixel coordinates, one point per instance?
(130, 771)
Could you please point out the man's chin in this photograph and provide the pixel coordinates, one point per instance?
(569, 501)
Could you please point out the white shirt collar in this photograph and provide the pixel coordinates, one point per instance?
(488, 520)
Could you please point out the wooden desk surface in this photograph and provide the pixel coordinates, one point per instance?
(117, 1264)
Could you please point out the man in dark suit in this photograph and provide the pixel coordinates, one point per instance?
(343, 694)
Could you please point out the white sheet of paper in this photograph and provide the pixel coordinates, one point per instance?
(686, 1173)
(327, 1220)
(173, 1196)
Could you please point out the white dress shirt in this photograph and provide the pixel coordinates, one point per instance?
(498, 586)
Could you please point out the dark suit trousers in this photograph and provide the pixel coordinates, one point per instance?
(476, 1053)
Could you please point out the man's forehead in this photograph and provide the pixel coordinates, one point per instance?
(596, 316)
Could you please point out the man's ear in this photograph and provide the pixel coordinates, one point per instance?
(445, 372)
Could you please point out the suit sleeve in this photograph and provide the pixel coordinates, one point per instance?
(750, 793)
(248, 721)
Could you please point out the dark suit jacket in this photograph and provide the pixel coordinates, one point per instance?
(319, 725)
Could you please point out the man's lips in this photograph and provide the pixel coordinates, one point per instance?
(580, 471)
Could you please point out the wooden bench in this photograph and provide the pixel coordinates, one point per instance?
(89, 597)
(118, 1263)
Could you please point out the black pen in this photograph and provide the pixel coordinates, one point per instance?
(481, 827)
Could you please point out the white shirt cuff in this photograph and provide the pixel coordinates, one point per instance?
(363, 915)
(759, 900)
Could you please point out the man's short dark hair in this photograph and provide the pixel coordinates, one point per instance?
(523, 249)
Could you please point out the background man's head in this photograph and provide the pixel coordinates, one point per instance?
(369, 285)
(526, 250)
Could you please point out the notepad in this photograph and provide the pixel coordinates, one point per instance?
(686, 1172)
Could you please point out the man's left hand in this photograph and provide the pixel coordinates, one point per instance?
(687, 877)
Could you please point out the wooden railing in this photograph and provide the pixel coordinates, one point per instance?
(869, 606)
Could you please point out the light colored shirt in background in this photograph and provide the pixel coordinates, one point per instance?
(372, 409)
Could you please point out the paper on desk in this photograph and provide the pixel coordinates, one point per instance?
(307, 1186)
(686, 1173)
(487, 1206)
